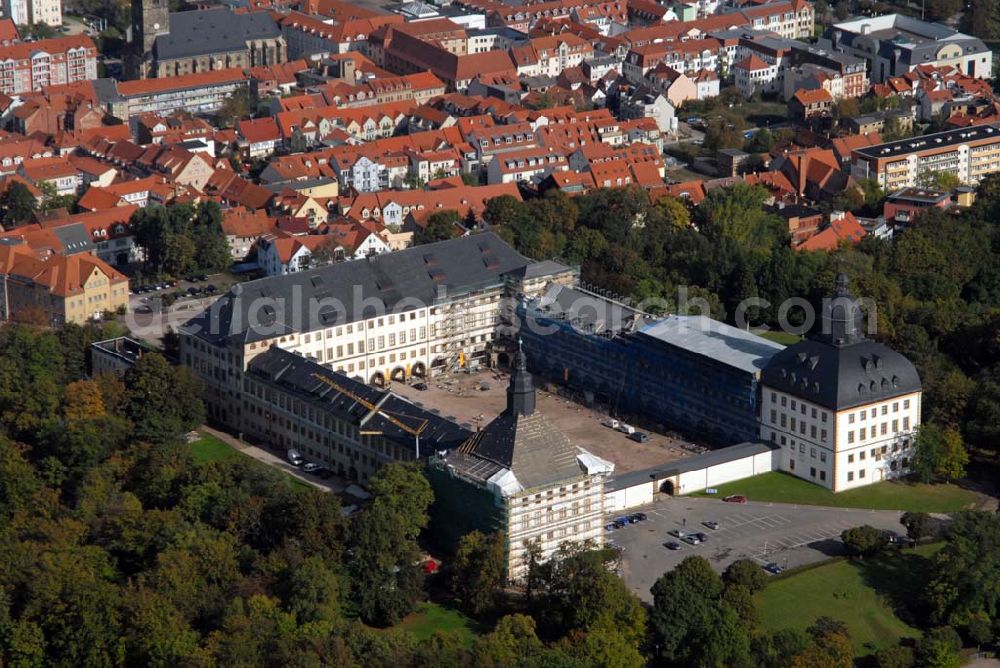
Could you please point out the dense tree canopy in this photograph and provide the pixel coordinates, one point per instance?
(181, 238)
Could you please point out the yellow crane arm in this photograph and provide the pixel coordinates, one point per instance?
(371, 407)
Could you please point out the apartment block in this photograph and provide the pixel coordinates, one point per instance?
(28, 67)
(968, 153)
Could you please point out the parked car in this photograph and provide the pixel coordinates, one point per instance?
(610, 526)
(295, 459)
(193, 291)
(210, 288)
(324, 473)
(691, 539)
(310, 467)
(610, 422)
(712, 524)
(420, 386)
(773, 568)
(677, 533)
(702, 537)
(621, 522)
(626, 428)
(672, 545)
(735, 498)
(637, 517)
(639, 436)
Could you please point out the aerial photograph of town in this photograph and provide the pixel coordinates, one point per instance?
(499, 333)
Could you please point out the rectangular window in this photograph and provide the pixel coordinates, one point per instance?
(792, 421)
(812, 452)
(850, 476)
(864, 414)
(861, 456)
(850, 459)
(822, 456)
(784, 419)
(850, 419)
(774, 398)
(895, 407)
(812, 431)
(791, 464)
(793, 404)
(906, 424)
(864, 434)
(861, 473)
(906, 404)
(885, 428)
(822, 435)
(813, 413)
(850, 437)
(784, 401)
(823, 415)
(812, 471)
(774, 416)
(822, 475)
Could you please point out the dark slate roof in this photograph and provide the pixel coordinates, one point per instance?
(533, 449)
(841, 377)
(203, 32)
(402, 281)
(586, 311)
(297, 375)
(74, 238)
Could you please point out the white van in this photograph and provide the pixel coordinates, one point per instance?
(626, 428)
(294, 458)
(610, 422)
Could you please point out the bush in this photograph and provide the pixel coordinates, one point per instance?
(864, 541)
(895, 657)
(746, 572)
(939, 648)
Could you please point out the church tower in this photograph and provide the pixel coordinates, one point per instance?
(150, 18)
(521, 390)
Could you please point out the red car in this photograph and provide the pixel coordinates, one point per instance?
(735, 498)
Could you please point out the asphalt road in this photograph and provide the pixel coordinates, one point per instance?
(786, 534)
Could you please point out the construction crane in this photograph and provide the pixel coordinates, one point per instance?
(376, 408)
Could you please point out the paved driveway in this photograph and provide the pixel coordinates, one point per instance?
(787, 534)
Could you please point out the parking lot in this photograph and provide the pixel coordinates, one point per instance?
(784, 534)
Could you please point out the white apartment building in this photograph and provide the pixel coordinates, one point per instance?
(843, 409)
(969, 153)
(30, 12)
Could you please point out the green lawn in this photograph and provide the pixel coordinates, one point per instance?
(784, 338)
(867, 595)
(210, 449)
(781, 487)
(431, 617)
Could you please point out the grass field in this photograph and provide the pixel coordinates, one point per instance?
(784, 338)
(431, 617)
(780, 487)
(865, 595)
(210, 449)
